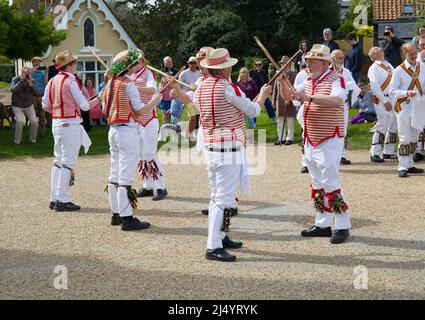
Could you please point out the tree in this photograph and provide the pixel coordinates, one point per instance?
(26, 35)
(219, 29)
(348, 25)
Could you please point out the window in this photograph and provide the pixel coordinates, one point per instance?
(91, 69)
(89, 33)
(408, 9)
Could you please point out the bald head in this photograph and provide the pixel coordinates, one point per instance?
(376, 54)
(409, 51)
(338, 58)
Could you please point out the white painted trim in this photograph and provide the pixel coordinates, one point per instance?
(108, 16)
(95, 18)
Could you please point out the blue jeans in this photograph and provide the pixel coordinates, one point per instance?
(269, 108)
(356, 77)
(251, 122)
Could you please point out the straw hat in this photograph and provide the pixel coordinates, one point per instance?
(218, 59)
(124, 61)
(191, 59)
(36, 58)
(64, 58)
(284, 59)
(202, 53)
(319, 52)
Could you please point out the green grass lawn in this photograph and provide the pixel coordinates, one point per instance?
(4, 84)
(358, 138)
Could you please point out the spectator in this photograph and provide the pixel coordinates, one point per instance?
(304, 47)
(190, 75)
(165, 104)
(249, 87)
(95, 114)
(23, 90)
(354, 59)
(391, 46)
(286, 111)
(261, 78)
(327, 35)
(39, 78)
(176, 108)
(52, 70)
(365, 105)
(415, 40)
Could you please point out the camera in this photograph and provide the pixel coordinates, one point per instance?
(387, 33)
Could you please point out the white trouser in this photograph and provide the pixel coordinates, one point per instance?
(124, 146)
(346, 110)
(20, 114)
(407, 136)
(300, 119)
(420, 145)
(148, 152)
(323, 166)
(224, 179)
(386, 124)
(289, 126)
(66, 148)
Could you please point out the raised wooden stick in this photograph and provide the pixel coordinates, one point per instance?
(279, 72)
(98, 58)
(266, 52)
(172, 79)
(166, 75)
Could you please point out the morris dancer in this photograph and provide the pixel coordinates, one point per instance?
(324, 95)
(380, 74)
(150, 168)
(63, 98)
(123, 109)
(222, 108)
(405, 85)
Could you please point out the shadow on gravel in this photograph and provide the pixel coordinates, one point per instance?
(27, 275)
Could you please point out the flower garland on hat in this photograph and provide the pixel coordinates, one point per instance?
(126, 62)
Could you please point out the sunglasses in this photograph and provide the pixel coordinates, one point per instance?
(258, 64)
(192, 62)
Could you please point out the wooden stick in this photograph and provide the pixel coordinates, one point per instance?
(279, 72)
(98, 58)
(172, 79)
(266, 52)
(166, 75)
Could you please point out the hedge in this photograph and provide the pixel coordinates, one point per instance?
(7, 72)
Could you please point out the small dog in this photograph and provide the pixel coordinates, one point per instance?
(6, 113)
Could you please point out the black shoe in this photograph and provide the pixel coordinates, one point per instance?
(116, 220)
(345, 161)
(389, 156)
(277, 142)
(52, 205)
(403, 174)
(288, 142)
(66, 206)
(377, 159)
(316, 231)
(339, 236)
(219, 254)
(145, 193)
(418, 157)
(205, 211)
(415, 170)
(160, 194)
(304, 170)
(230, 244)
(131, 224)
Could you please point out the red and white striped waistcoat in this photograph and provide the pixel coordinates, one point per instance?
(62, 102)
(221, 121)
(141, 79)
(320, 122)
(118, 107)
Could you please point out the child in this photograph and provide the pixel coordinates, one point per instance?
(176, 108)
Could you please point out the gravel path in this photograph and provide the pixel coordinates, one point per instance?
(167, 261)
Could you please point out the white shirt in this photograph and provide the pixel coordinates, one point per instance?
(77, 95)
(301, 77)
(188, 76)
(377, 76)
(350, 84)
(401, 80)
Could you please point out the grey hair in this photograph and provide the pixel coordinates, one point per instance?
(215, 72)
(407, 45)
(167, 58)
(327, 31)
(372, 52)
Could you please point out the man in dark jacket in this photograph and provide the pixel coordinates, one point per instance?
(391, 46)
(23, 90)
(327, 36)
(354, 59)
